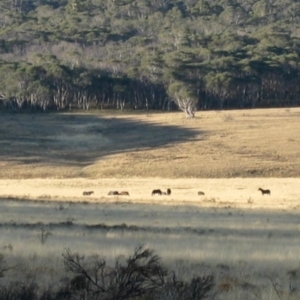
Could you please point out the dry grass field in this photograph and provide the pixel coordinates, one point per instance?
(244, 143)
(247, 240)
(226, 154)
(245, 250)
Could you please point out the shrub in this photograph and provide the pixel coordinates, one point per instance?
(142, 276)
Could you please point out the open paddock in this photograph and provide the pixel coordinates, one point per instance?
(248, 240)
(219, 192)
(216, 144)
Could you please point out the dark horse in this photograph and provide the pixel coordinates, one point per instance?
(201, 193)
(113, 193)
(267, 192)
(156, 192)
(168, 192)
(159, 192)
(87, 193)
(123, 194)
(116, 193)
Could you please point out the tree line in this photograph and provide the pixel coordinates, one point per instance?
(149, 54)
(54, 86)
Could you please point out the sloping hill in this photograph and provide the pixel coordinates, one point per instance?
(246, 143)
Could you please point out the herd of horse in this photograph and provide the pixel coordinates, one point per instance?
(125, 193)
(160, 192)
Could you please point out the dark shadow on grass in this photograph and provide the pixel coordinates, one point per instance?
(271, 234)
(194, 220)
(74, 139)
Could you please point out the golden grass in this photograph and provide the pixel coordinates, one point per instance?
(239, 193)
(139, 152)
(227, 155)
(243, 143)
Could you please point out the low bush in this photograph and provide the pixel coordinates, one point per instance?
(141, 276)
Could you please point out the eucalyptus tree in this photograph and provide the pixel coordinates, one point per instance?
(140, 54)
(184, 95)
(23, 86)
(60, 80)
(218, 85)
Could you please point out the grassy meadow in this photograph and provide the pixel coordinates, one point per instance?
(216, 144)
(247, 241)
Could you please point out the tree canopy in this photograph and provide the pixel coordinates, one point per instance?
(149, 54)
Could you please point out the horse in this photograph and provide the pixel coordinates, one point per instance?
(87, 193)
(123, 193)
(168, 192)
(113, 193)
(267, 192)
(201, 193)
(156, 192)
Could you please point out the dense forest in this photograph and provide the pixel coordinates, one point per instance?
(149, 54)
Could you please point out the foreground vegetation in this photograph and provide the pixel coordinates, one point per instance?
(58, 54)
(141, 276)
(237, 253)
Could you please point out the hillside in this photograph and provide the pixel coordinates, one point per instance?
(241, 143)
(127, 54)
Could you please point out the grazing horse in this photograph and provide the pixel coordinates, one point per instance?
(113, 193)
(267, 192)
(156, 192)
(87, 193)
(201, 193)
(123, 194)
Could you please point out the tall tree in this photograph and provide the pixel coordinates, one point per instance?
(184, 96)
